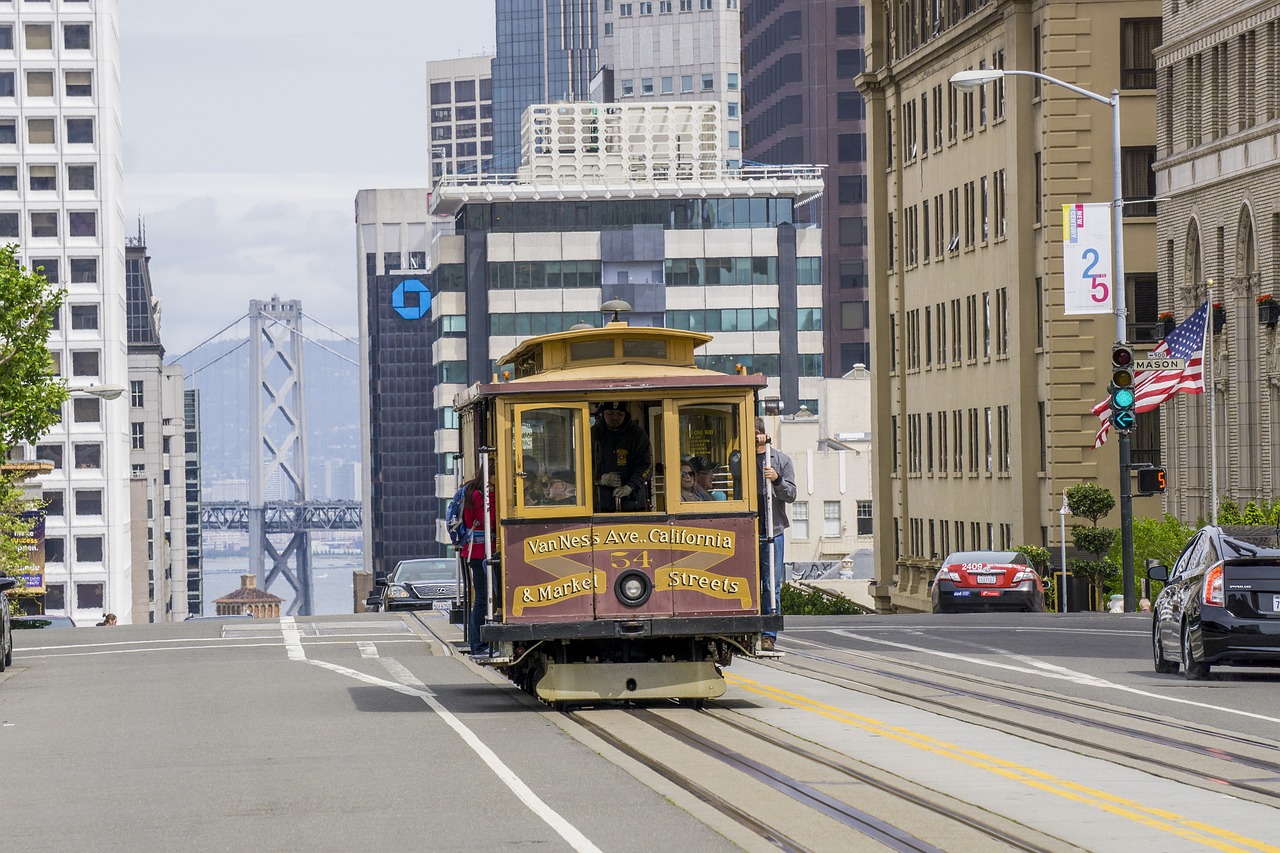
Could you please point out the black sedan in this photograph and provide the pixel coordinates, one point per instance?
(1220, 604)
(421, 584)
(6, 629)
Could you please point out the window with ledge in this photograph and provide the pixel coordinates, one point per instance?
(55, 551)
(82, 223)
(54, 502)
(50, 453)
(85, 363)
(80, 131)
(84, 271)
(6, 36)
(86, 410)
(40, 131)
(76, 37)
(7, 86)
(38, 36)
(40, 84)
(1138, 179)
(9, 223)
(44, 223)
(138, 435)
(42, 178)
(48, 267)
(800, 520)
(8, 179)
(79, 84)
(87, 457)
(84, 317)
(89, 596)
(88, 501)
(1139, 37)
(831, 519)
(81, 177)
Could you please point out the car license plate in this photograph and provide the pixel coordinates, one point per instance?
(1275, 603)
(988, 578)
(441, 605)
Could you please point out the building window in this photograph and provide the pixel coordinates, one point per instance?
(800, 520)
(7, 86)
(82, 223)
(9, 223)
(85, 363)
(86, 410)
(732, 82)
(84, 271)
(89, 596)
(668, 85)
(44, 223)
(80, 177)
(849, 63)
(80, 131)
(84, 317)
(624, 10)
(50, 453)
(732, 109)
(39, 36)
(136, 398)
(628, 88)
(42, 178)
(831, 519)
(88, 501)
(87, 457)
(864, 518)
(49, 268)
(8, 179)
(1139, 37)
(1138, 179)
(79, 84)
(6, 37)
(76, 36)
(40, 131)
(138, 435)
(646, 85)
(708, 82)
(733, 139)
(55, 551)
(646, 7)
(686, 80)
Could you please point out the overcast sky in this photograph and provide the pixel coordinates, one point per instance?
(249, 127)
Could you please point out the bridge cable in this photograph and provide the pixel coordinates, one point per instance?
(314, 342)
(330, 328)
(208, 339)
(192, 374)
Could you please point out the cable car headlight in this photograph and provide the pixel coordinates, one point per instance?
(633, 588)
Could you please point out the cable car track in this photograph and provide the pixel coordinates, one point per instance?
(1211, 781)
(892, 837)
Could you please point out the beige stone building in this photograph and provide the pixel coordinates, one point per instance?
(248, 600)
(1218, 143)
(983, 387)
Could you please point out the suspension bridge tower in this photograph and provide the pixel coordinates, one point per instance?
(279, 454)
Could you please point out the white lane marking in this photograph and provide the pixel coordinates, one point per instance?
(367, 649)
(275, 644)
(292, 638)
(402, 674)
(570, 833)
(1048, 670)
(405, 637)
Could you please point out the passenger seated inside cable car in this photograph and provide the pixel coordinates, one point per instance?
(623, 460)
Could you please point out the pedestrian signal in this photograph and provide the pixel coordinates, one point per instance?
(1152, 481)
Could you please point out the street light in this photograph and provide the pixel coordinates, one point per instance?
(103, 392)
(973, 79)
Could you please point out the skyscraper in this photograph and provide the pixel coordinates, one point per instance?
(547, 50)
(460, 115)
(800, 105)
(60, 188)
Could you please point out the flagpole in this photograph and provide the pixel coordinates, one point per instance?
(1213, 444)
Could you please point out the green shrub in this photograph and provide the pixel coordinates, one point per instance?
(810, 601)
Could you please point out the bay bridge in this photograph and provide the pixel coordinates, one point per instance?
(279, 529)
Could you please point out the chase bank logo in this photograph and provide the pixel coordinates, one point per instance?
(401, 299)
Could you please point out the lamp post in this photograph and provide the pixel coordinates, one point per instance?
(973, 79)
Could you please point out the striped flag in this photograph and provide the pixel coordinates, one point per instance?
(1153, 387)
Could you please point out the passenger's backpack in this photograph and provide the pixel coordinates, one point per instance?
(453, 517)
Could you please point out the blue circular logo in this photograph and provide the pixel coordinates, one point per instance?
(400, 300)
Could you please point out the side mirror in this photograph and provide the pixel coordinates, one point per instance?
(380, 580)
(1157, 572)
(7, 584)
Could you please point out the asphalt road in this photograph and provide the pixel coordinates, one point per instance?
(368, 732)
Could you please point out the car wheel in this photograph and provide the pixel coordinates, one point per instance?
(7, 658)
(1193, 669)
(1164, 666)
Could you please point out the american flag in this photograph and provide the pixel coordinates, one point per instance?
(1153, 387)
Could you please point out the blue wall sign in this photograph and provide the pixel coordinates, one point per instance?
(400, 300)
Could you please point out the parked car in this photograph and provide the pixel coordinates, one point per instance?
(6, 627)
(1220, 605)
(422, 584)
(42, 621)
(987, 580)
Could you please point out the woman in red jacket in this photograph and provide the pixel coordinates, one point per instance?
(473, 553)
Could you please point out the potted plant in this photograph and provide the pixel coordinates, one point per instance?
(1219, 317)
(1167, 324)
(1268, 310)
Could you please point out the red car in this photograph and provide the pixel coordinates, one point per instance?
(987, 580)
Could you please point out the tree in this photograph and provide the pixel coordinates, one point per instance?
(1091, 501)
(1160, 539)
(31, 397)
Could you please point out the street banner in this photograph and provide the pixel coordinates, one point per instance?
(1086, 258)
(30, 571)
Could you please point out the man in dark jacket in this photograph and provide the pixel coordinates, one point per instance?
(776, 487)
(622, 460)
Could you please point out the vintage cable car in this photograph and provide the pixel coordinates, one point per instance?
(606, 592)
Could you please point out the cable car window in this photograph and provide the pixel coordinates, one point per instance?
(709, 449)
(644, 348)
(589, 350)
(549, 453)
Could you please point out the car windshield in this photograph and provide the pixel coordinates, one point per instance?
(43, 622)
(997, 557)
(416, 571)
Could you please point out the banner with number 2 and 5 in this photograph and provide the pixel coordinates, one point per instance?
(1086, 258)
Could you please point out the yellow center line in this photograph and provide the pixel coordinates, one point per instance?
(1166, 821)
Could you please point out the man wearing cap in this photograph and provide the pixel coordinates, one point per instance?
(622, 460)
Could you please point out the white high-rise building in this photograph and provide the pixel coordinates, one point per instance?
(61, 175)
(677, 50)
(460, 115)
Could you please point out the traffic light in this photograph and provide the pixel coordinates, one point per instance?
(1123, 415)
(1152, 481)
